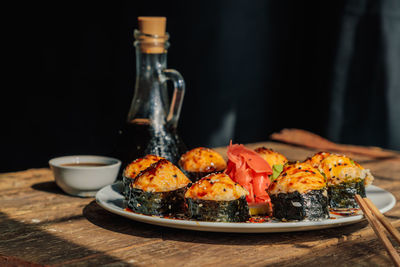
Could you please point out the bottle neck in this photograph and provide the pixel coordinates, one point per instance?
(149, 64)
(151, 54)
(150, 98)
(150, 101)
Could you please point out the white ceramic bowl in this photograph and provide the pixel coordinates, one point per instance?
(84, 181)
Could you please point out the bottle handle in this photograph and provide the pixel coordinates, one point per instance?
(177, 97)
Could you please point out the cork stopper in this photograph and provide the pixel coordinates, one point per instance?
(155, 26)
(152, 25)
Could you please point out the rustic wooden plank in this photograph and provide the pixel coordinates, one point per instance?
(187, 243)
(359, 253)
(12, 261)
(40, 224)
(23, 179)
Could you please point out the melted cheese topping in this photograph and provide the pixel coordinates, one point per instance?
(161, 176)
(202, 159)
(301, 177)
(317, 158)
(271, 156)
(134, 168)
(341, 169)
(216, 186)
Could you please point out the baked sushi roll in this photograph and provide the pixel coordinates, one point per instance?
(345, 179)
(134, 168)
(299, 193)
(217, 198)
(200, 162)
(158, 190)
(317, 158)
(275, 159)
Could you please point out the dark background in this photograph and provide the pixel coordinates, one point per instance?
(251, 68)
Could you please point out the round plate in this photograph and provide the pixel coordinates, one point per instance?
(110, 199)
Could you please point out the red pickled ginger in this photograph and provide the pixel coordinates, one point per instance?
(247, 168)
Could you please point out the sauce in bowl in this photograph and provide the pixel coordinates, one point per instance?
(85, 164)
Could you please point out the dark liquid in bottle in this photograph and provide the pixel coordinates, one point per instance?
(140, 138)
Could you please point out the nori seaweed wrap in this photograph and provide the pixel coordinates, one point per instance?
(157, 203)
(158, 190)
(345, 179)
(295, 206)
(217, 198)
(341, 196)
(299, 193)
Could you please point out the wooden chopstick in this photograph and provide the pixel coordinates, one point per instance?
(378, 229)
(389, 227)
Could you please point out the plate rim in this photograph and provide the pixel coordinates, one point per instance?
(235, 227)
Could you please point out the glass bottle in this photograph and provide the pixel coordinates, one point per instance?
(151, 126)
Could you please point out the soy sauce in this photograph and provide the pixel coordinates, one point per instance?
(140, 138)
(84, 164)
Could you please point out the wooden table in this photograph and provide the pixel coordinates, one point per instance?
(39, 224)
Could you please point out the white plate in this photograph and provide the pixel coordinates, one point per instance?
(110, 199)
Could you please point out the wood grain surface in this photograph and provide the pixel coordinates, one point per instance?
(40, 225)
